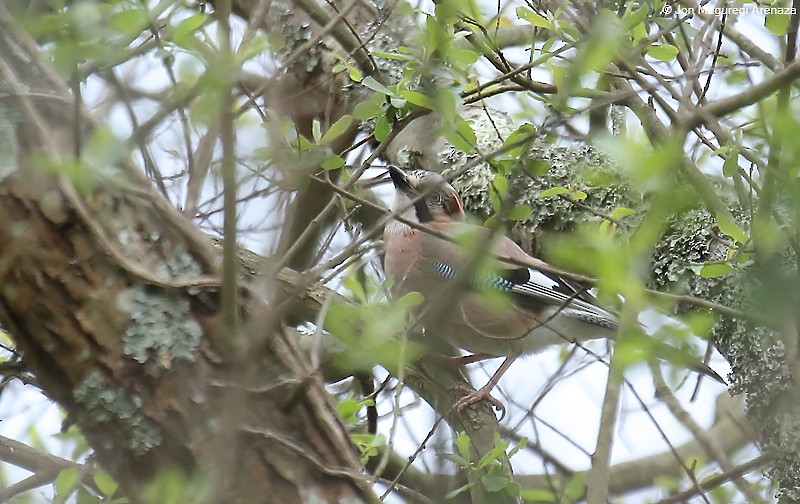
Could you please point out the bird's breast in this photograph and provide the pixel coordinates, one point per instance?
(402, 262)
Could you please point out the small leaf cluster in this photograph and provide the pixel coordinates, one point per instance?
(492, 471)
(67, 485)
(372, 331)
(366, 443)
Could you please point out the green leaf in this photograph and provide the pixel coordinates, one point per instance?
(777, 23)
(377, 440)
(575, 488)
(662, 52)
(65, 481)
(634, 18)
(724, 149)
(736, 76)
(105, 482)
(74, 436)
(369, 333)
(374, 85)
(186, 28)
(538, 495)
(254, 47)
(333, 162)
(463, 445)
(337, 129)
(577, 194)
(744, 257)
(699, 322)
(367, 444)
(463, 57)
(397, 102)
(522, 135)
(352, 284)
(496, 454)
(393, 56)
(721, 494)
(491, 222)
(302, 143)
(731, 164)
(457, 459)
(520, 212)
(457, 491)
(382, 129)
(522, 443)
(83, 496)
(621, 212)
(355, 74)
(638, 33)
(535, 167)
(548, 44)
(500, 184)
(553, 191)
(567, 30)
(369, 108)
(410, 300)
(601, 47)
(316, 130)
(461, 137)
(447, 104)
(418, 99)
(634, 349)
(667, 483)
(348, 410)
(103, 149)
(714, 270)
(731, 228)
(494, 482)
(513, 489)
(533, 18)
(497, 203)
(505, 165)
(128, 21)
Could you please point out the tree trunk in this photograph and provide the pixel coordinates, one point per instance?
(113, 298)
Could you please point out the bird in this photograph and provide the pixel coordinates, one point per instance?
(427, 251)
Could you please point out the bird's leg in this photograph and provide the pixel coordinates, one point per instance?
(483, 393)
(471, 359)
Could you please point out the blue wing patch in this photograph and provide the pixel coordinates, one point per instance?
(445, 271)
(490, 280)
(534, 289)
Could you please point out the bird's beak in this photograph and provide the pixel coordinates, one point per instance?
(400, 181)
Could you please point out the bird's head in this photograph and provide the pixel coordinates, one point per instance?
(425, 195)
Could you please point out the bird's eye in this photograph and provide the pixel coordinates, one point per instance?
(436, 198)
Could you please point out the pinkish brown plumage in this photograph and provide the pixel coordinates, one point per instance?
(542, 310)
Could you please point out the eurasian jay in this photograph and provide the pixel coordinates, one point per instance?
(542, 309)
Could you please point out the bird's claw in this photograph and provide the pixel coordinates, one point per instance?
(472, 396)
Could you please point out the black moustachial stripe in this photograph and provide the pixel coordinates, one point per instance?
(423, 213)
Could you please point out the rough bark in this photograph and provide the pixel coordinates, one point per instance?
(112, 298)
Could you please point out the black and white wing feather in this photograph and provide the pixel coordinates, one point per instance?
(532, 288)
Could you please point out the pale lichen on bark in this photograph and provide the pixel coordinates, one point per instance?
(162, 327)
(114, 409)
